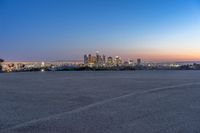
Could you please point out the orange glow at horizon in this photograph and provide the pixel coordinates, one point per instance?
(162, 55)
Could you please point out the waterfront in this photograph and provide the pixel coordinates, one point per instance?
(96, 102)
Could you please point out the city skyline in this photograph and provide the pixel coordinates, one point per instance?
(40, 30)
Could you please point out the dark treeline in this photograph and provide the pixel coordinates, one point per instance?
(123, 68)
(1, 60)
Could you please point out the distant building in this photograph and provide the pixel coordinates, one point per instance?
(85, 59)
(90, 59)
(131, 62)
(98, 58)
(94, 60)
(138, 61)
(126, 63)
(19, 66)
(118, 61)
(109, 61)
(104, 59)
(42, 64)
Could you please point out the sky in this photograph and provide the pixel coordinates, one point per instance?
(154, 30)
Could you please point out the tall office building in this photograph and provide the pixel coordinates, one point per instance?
(109, 61)
(90, 58)
(118, 61)
(94, 60)
(138, 61)
(85, 59)
(104, 59)
(98, 58)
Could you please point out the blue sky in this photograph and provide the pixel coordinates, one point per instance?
(67, 29)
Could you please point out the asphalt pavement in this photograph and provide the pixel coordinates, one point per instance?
(100, 102)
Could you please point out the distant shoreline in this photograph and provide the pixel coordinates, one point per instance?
(95, 71)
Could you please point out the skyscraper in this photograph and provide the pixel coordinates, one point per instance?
(90, 58)
(94, 60)
(138, 61)
(118, 61)
(109, 61)
(98, 58)
(104, 59)
(85, 59)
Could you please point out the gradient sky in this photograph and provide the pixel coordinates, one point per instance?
(154, 30)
